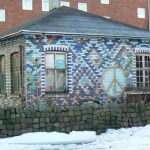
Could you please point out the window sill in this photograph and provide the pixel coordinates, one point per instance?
(2, 95)
(57, 95)
(136, 93)
(14, 95)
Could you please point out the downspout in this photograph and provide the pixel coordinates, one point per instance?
(148, 14)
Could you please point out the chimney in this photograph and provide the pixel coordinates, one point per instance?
(54, 4)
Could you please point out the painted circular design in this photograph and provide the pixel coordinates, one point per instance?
(114, 81)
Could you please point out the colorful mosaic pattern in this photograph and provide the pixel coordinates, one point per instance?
(98, 69)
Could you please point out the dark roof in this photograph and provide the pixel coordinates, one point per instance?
(65, 20)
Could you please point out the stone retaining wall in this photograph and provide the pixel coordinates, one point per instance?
(95, 117)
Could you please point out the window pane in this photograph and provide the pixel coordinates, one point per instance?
(50, 81)
(16, 80)
(137, 73)
(49, 60)
(45, 5)
(61, 80)
(141, 64)
(2, 74)
(141, 12)
(15, 72)
(104, 1)
(60, 61)
(148, 61)
(64, 3)
(27, 4)
(2, 64)
(55, 72)
(2, 15)
(82, 6)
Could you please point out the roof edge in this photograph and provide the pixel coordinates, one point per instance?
(67, 33)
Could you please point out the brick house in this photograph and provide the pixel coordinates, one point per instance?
(134, 13)
(68, 57)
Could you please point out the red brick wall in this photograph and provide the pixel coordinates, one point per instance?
(15, 14)
(121, 10)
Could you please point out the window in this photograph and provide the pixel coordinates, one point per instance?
(15, 72)
(56, 72)
(45, 5)
(82, 6)
(141, 12)
(2, 15)
(104, 1)
(143, 70)
(27, 4)
(2, 74)
(64, 3)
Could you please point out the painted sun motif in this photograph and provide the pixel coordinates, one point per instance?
(114, 81)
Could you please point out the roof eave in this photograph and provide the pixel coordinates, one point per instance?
(69, 33)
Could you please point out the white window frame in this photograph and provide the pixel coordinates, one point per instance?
(141, 70)
(82, 6)
(106, 17)
(26, 6)
(141, 13)
(105, 2)
(2, 15)
(45, 5)
(64, 3)
(55, 73)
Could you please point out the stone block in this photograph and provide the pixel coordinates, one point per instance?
(53, 119)
(66, 119)
(36, 126)
(10, 127)
(35, 120)
(17, 127)
(42, 125)
(1, 122)
(2, 127)
(42, 120)
(56, 125)
(47, 120)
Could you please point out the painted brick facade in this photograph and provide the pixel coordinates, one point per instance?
(98, 68)
(93, 61)
(121, 10)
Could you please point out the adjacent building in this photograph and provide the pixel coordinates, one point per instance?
(135, 13)
(69, 57)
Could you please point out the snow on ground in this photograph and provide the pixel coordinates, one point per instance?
(136, 138)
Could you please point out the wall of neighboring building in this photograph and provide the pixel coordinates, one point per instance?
(15, 15)
(100, 69)
(120, 10)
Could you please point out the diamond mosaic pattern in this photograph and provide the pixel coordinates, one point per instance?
(95, 58)
(91, 61)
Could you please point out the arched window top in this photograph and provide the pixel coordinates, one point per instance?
(142, 50)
